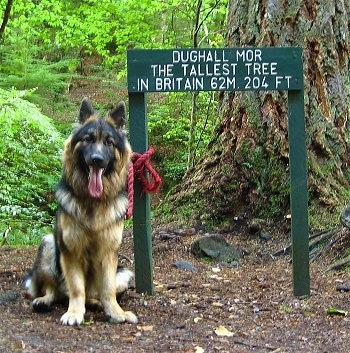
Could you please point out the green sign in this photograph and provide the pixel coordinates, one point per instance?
(215, 69)
(245, 69)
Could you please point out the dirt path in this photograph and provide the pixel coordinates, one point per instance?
(249, 308)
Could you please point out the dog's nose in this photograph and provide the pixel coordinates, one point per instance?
(97, 159)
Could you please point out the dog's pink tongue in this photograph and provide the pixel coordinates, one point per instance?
(95, 186)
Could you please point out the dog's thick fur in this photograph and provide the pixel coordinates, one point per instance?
(80, 260)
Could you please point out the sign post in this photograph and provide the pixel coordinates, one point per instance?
(228, 69)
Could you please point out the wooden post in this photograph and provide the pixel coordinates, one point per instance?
(298, 193)
(141, 214)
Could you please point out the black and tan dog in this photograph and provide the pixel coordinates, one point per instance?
(80, 261)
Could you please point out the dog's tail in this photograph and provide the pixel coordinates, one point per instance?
(28, 285)
(124, 279)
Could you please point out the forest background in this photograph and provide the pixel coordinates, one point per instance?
(55, 52)
(52, 53)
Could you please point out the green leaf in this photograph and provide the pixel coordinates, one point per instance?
(88, 322)
(334, 311)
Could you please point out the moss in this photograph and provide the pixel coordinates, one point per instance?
(321, 217)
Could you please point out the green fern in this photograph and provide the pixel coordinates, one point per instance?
(24, 66)
(30, 167)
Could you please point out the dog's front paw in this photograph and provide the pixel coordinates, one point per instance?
(72, 318)
(126, 316)
(130, 317)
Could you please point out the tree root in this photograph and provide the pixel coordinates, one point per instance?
(319, 243)
(338, 265)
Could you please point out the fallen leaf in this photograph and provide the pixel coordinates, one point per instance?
(223, 331)
(219, 278)
(128, 339)
(334, 311)
(145, 328)
(198, 349)
(18, 345)
(159, 287)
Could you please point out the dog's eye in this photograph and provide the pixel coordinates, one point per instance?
(109, 141)
(88, 139)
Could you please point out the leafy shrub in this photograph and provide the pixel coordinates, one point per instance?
(30, 167)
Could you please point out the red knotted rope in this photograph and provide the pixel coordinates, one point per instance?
(150, 181)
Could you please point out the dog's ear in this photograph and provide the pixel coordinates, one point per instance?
(86, 110)
(118, 115)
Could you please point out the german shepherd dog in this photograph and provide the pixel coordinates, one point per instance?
(79, 262)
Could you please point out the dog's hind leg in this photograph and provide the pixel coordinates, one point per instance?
(42, 283)
(40, 303)
(43, 304)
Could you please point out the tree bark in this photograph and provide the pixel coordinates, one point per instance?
(245, 170)
(194, 110)
(6, 17)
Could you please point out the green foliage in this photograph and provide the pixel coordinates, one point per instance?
(30, 167)
(23, 66)
(169, 129)
(108, 28)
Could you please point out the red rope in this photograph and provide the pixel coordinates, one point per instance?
(130, 188)
(141, 168)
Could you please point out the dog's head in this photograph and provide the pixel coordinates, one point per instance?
(99, 149)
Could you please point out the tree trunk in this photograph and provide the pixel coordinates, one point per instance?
(245, 170)
(194, 109)
(6, 17)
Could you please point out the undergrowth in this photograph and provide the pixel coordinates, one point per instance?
(30, 167)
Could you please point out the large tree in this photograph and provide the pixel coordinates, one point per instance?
(245, 169)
